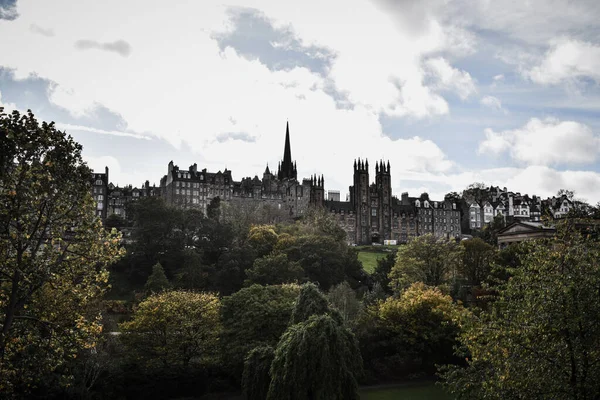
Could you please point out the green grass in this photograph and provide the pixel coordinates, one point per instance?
(421, 391)
(369, 260)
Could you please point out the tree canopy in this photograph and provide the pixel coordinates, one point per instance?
(174, 329)
(541, 339)
(425, 259)
(255, 316)
(53, 255)
(410, 333)
(316, 357)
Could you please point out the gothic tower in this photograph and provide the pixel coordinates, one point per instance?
(287, 168)
(317, 190)
(359, 196)
(384, 205)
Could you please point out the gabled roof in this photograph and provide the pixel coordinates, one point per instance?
(525, 227)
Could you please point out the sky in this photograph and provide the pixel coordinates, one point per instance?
(451, 92)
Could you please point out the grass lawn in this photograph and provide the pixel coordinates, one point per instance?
(417, 391)
(369, 260)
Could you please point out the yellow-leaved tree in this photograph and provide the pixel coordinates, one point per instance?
(53, 255)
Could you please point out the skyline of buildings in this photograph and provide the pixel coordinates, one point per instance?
(371, 213)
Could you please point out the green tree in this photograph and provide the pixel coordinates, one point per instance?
(174, 329)
(310, 301)
(274, 269)
(253, 317)
(213, 210)
(262, 238)
(541, 340)
(410, 333)
(157, 281)
(256, 378)
(154, 238)
(476, 261)
(53, 254)
(316, 359)
(343, 298)
(193, 274)
(115, 221)
(323, 259)
(382, 271)
(426, 259)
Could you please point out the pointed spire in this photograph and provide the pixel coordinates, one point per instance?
(287, 152)
(388, 167)
(322, 180)
(355, 164)
(287, 167)
(376, 167)
(267, 170)
(367, 165)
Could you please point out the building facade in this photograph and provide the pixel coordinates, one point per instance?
(373, 215)
(100, 184)
(282, 190)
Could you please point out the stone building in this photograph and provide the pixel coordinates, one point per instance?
(373, 215)
(100, 184)
(111, 199)
(194, 188)
(438, 218)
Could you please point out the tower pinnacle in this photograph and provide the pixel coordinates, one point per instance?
(287, 166)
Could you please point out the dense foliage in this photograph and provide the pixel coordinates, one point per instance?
(409, 334)
(174, 329)
(53, 255)
(253, 317)
(256, 378)
(316, 357)
(426, 259)
(541, 339)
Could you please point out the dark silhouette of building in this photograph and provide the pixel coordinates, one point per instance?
(373, 215)
(283, 191)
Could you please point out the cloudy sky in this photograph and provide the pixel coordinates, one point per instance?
(450, 91)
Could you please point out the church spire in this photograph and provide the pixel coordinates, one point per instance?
(287, 166)
(287, 152)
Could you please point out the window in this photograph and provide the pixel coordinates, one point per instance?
(99, 182)
(100, 197)
(373, 212)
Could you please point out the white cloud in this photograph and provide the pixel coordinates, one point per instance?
(530, 22)
(545, 142)
(567, 60)
(493, 103)
(8, 107)
(533, 180)
(116, 174)
(447, 77)
(69, 127)
(178, 85)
